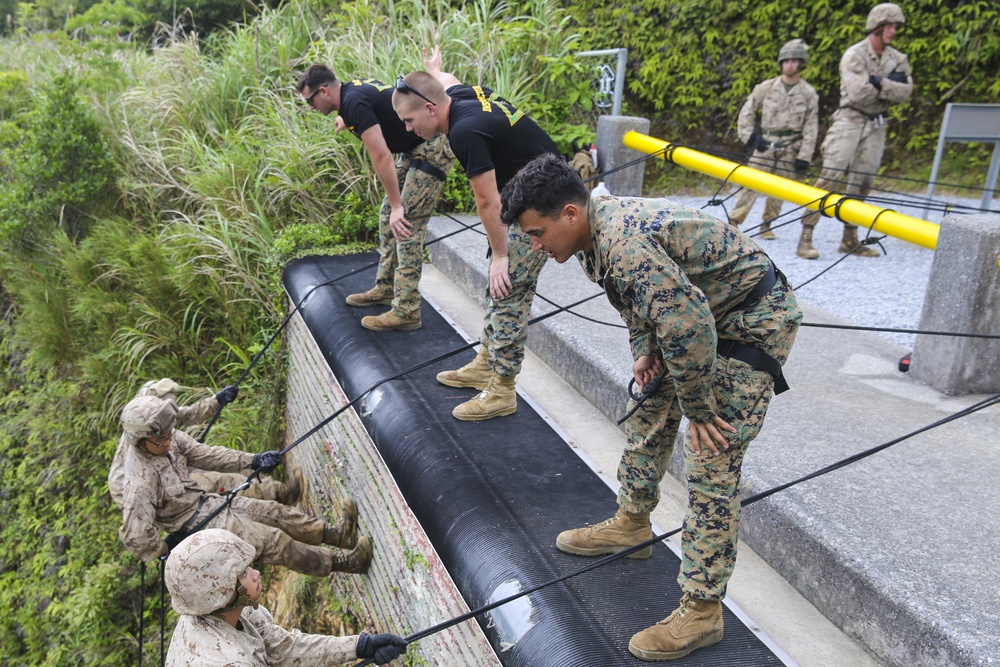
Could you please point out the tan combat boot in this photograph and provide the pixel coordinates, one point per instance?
(806, 249)
(498, 400)
(694, 624)
(345, 533)
(290, 492)
(618, 533)
(475, 375)
(390, 321)
(764, 231)
(376, 296)
(356, 561)
(850, 241)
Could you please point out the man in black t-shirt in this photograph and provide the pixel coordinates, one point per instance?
(412, 187)
(492, 140)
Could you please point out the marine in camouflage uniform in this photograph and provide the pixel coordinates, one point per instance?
(492, 139)
(412, 188)
(160, 495)
(708, 312)
(217, 594)
(873, 77)
(789, 118)
(264, 487)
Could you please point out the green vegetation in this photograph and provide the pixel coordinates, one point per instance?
(155, 181)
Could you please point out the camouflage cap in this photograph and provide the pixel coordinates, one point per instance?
(147, 416)
(881, 14)
(202, 572)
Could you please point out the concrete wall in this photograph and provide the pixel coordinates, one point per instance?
(963, 296)
(407, 588)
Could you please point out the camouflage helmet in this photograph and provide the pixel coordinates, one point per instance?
(794, 50)
(148, 416)
(160, 388)
(886, 12)
(203, 571)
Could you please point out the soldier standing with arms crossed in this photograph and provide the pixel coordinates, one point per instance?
(873, 77)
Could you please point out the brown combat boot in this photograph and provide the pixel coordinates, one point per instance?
(475, 375)
(806, 249)
(498, 399)
(376, 296)
(694, 624)
(764, 231)
(356, 561)
(850, 241)
(618, 533)
(390, 321)
(345, 533)
(290, 492)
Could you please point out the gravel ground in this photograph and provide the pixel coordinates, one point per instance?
(886, 291)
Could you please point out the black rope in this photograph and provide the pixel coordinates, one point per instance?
(163, 611)
(651, 388)
(441, 357)
(854, 458)
(142, 604)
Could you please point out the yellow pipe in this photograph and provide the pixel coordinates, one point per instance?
(856, 212)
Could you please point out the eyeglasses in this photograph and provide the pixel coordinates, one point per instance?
(159, 440)
(309, 100)
(404, 87)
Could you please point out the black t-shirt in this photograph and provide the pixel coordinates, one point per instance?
(368, 102)
(487, 132)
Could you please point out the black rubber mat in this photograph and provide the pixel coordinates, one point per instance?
(493, 495)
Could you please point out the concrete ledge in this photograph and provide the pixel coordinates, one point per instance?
(899, 549)
(407, 588)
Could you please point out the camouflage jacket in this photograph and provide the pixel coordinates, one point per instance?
(208, 641)
(796, 110)
(675, 275)
(159, 492)
(860, 62)
(187, 415)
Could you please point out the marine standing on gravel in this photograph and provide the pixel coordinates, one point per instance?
(789, 120)
(264, 487)
(492, 140)
(873, 77)
(708, 313)
(412, 188)
(160, 495)
(217, 594)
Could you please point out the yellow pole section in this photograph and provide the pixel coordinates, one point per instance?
(856, 212)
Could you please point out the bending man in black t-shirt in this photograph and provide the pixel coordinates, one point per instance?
(412, 188)
(492, 140)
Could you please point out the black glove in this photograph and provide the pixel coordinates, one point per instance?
(801, 167)
(266, 461)
(227, 394)
(898, 77)
(758, 143)
(173, 539)
(385, 647)
(875, 81)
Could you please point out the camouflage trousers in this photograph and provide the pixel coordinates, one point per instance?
(852, 153)
(505, 326)
(282, 535)
(401, 262)
(780, 162)
(742, 394)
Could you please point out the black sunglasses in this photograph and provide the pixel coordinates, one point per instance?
(404, 87)
(309, 100)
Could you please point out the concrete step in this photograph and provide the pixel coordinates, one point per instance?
(898, 550)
